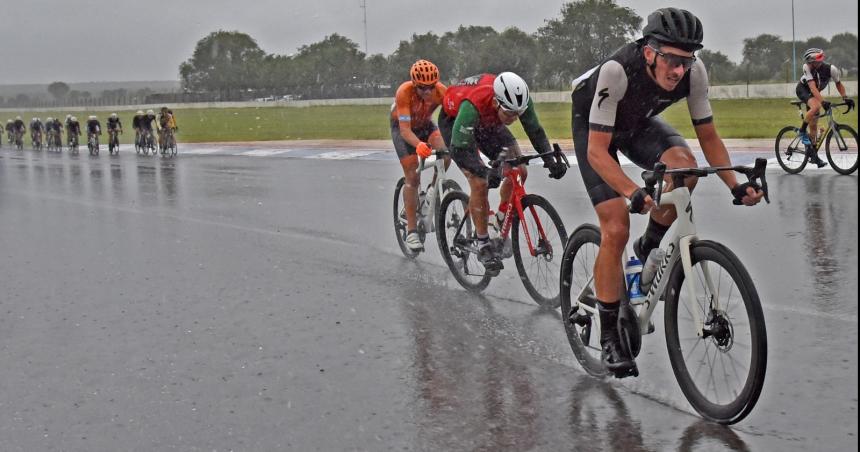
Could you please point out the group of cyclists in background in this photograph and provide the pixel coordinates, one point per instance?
(615, 107)
(150, 130)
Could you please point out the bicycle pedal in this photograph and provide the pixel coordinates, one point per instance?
(631, 372)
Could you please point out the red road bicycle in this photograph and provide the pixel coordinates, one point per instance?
(536, 232)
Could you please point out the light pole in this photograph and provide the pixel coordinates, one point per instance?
(793, 45)
(364, 7)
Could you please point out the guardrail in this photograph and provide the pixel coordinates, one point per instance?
(762, 91)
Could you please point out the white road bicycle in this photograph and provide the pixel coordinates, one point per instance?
(429, 200)
(715, 328)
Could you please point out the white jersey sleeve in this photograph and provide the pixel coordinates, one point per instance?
(610, 89)
(834, 73)
(697, 101)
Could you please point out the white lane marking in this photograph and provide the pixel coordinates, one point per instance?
(342, 155)
(265, 152)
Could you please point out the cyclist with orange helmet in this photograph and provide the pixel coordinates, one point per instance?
(816, 76)
(414, 133)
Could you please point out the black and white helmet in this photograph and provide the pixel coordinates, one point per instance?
(814, 54)
(675, 27)
(511, 92)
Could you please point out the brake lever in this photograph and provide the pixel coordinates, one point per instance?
(560, 154)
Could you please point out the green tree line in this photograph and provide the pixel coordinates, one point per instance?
(230, 64)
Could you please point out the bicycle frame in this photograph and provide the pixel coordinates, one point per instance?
(831, 125)
(679, 238)
(518, 192)
(440, 176)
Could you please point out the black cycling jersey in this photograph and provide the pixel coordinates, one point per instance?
(619, 93)
(114, 123)
(74, 127)
(19, 125)
(821, 75)
(93, 126)
(620, 97)
(136, 121)
(146, 122)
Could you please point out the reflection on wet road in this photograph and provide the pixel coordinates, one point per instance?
(223, 302)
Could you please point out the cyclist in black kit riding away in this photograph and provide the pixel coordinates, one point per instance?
(615, 108)
(816, 76)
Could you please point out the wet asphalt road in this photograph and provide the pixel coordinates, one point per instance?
(241, 303)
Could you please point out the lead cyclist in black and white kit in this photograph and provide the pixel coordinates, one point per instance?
(615, 108)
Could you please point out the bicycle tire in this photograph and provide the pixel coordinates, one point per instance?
(790, 153)
(464, 265)
(577, 268)
(400, 220)
(843, 161)
(740, 401)
(545, 268)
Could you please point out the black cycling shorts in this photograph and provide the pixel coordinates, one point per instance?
(403, 148)
(491, 142)
(643, 146)
(803, 93)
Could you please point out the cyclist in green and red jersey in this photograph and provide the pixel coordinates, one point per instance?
(476, 114)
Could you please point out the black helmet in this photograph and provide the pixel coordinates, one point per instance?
(676, 27)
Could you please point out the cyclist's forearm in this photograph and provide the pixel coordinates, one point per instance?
(715, 151)
(841, 88)
(408, 135)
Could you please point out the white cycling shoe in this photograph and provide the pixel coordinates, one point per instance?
(413, 242)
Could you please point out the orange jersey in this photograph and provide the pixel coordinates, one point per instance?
(410, 107)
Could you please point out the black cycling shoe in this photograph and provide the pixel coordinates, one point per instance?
(491, 262)
(616, 361)
(818, 162)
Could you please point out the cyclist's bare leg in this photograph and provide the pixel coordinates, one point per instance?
(614, 231)
(479, 205)
(410, 189)
(506, 186)
(811, 117)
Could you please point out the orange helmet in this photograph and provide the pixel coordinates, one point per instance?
(424, 72)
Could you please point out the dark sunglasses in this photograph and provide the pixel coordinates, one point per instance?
(676, 60)
(425, 87)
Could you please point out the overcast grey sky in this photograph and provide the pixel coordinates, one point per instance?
(94, 40)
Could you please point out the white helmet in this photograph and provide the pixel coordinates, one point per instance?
(49, 119)
(74, 118)
(113, 115)
(18, 118)
(91, 117)
(68, 116)
(150, 112)
(511, 92)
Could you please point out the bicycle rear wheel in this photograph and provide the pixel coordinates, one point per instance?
(842, 155)
(722, 371)
(539, 273)
(790, 152)
(400, 228)
(577, 279)
(455, 234)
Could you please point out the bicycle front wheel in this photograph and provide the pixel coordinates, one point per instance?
(577, 281)
(790, 152)
(841, 149)
(400, 227)
(540, 266)
(721, 372)
(455, 234)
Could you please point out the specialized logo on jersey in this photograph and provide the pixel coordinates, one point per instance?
(604, 93)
